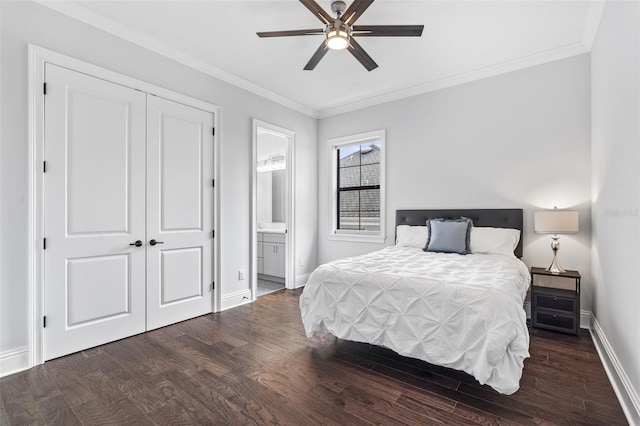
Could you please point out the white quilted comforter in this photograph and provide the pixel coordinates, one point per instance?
(462, 312)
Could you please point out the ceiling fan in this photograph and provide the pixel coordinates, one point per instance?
(340, 31)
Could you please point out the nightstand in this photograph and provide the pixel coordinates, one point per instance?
(555, 300)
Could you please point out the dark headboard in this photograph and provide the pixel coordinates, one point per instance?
(497, 218)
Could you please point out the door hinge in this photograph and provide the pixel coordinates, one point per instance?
(44, 88)
(213, 131)
(44, 244)
(44, 321)
(213, 234)
(213, 182)
(213, 285)
(44, 167)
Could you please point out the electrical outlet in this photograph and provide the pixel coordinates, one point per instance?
(241, 275)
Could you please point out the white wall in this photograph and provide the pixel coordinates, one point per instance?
(615, 67)
(24, 22)
(518, 140)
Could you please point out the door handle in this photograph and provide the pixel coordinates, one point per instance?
(154, 242)
(137, 244)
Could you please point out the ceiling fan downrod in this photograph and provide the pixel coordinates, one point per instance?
(338, 7)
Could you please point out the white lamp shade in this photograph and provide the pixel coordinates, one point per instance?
(556, 221)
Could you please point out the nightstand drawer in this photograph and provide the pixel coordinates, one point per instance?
(559, 303)
(555, 321)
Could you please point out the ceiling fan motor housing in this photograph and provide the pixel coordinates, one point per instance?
(338, 33)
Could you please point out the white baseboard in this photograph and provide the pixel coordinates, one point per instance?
(627, 395)
(301, 280)
(14, 361)
(237, 298)
(585, 319)
(585, 316)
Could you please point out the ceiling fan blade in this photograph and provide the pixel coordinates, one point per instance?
(290, 33)
(318, 11)
(387, 30)
(354, 11)
(363, 57)
(322, 50)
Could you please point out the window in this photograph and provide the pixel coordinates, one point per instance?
(357, 174)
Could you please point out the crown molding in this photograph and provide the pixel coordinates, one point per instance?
(82, 14)
(564, 52)
(594, 16)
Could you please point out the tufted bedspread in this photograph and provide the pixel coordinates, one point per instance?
(462, 312)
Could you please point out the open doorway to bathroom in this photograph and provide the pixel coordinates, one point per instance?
(272, 212)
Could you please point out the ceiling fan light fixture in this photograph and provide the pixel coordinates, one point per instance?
(337, 39)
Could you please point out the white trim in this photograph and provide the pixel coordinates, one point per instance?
(594, 17)
(235, 299)
(83, 14)
(585, 319)
(467, 77)
(301, 280)
(38, 57)
(355, 236)
(35, 200)
(622, 386)
(14, 361)
(259, 126)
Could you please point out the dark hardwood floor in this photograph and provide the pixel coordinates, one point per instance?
(254, 365)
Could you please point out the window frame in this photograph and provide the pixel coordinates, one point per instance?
(355, 235)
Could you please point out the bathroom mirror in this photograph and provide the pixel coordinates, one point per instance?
(272, 180)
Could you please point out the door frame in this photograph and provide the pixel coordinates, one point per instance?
(38, 57)
(289, 135)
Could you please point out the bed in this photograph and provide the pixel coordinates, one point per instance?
(459, 311)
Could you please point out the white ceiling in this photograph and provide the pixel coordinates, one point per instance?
(462, 41)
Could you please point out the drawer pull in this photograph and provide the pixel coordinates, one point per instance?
(555, 299)
(555, 316)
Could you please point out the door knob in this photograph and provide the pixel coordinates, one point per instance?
(154, 242)
(137, 244)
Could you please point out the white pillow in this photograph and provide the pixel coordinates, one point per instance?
(411, 236)
(494, 240)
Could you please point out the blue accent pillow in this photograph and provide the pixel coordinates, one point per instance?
(449, 235)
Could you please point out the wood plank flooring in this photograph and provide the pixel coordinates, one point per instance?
(254, 365)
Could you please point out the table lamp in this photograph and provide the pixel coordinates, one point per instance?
(556, 222)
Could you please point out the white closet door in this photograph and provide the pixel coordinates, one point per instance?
(179, 212)
(94, 189)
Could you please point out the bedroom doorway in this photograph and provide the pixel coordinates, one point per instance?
(272, 209)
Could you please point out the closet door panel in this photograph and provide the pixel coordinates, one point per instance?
(94, 194)
(180, 163)
(179, 212)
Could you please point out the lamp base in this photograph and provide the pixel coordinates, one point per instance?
(555, 267)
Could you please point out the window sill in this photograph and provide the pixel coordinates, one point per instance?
(374, 239)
